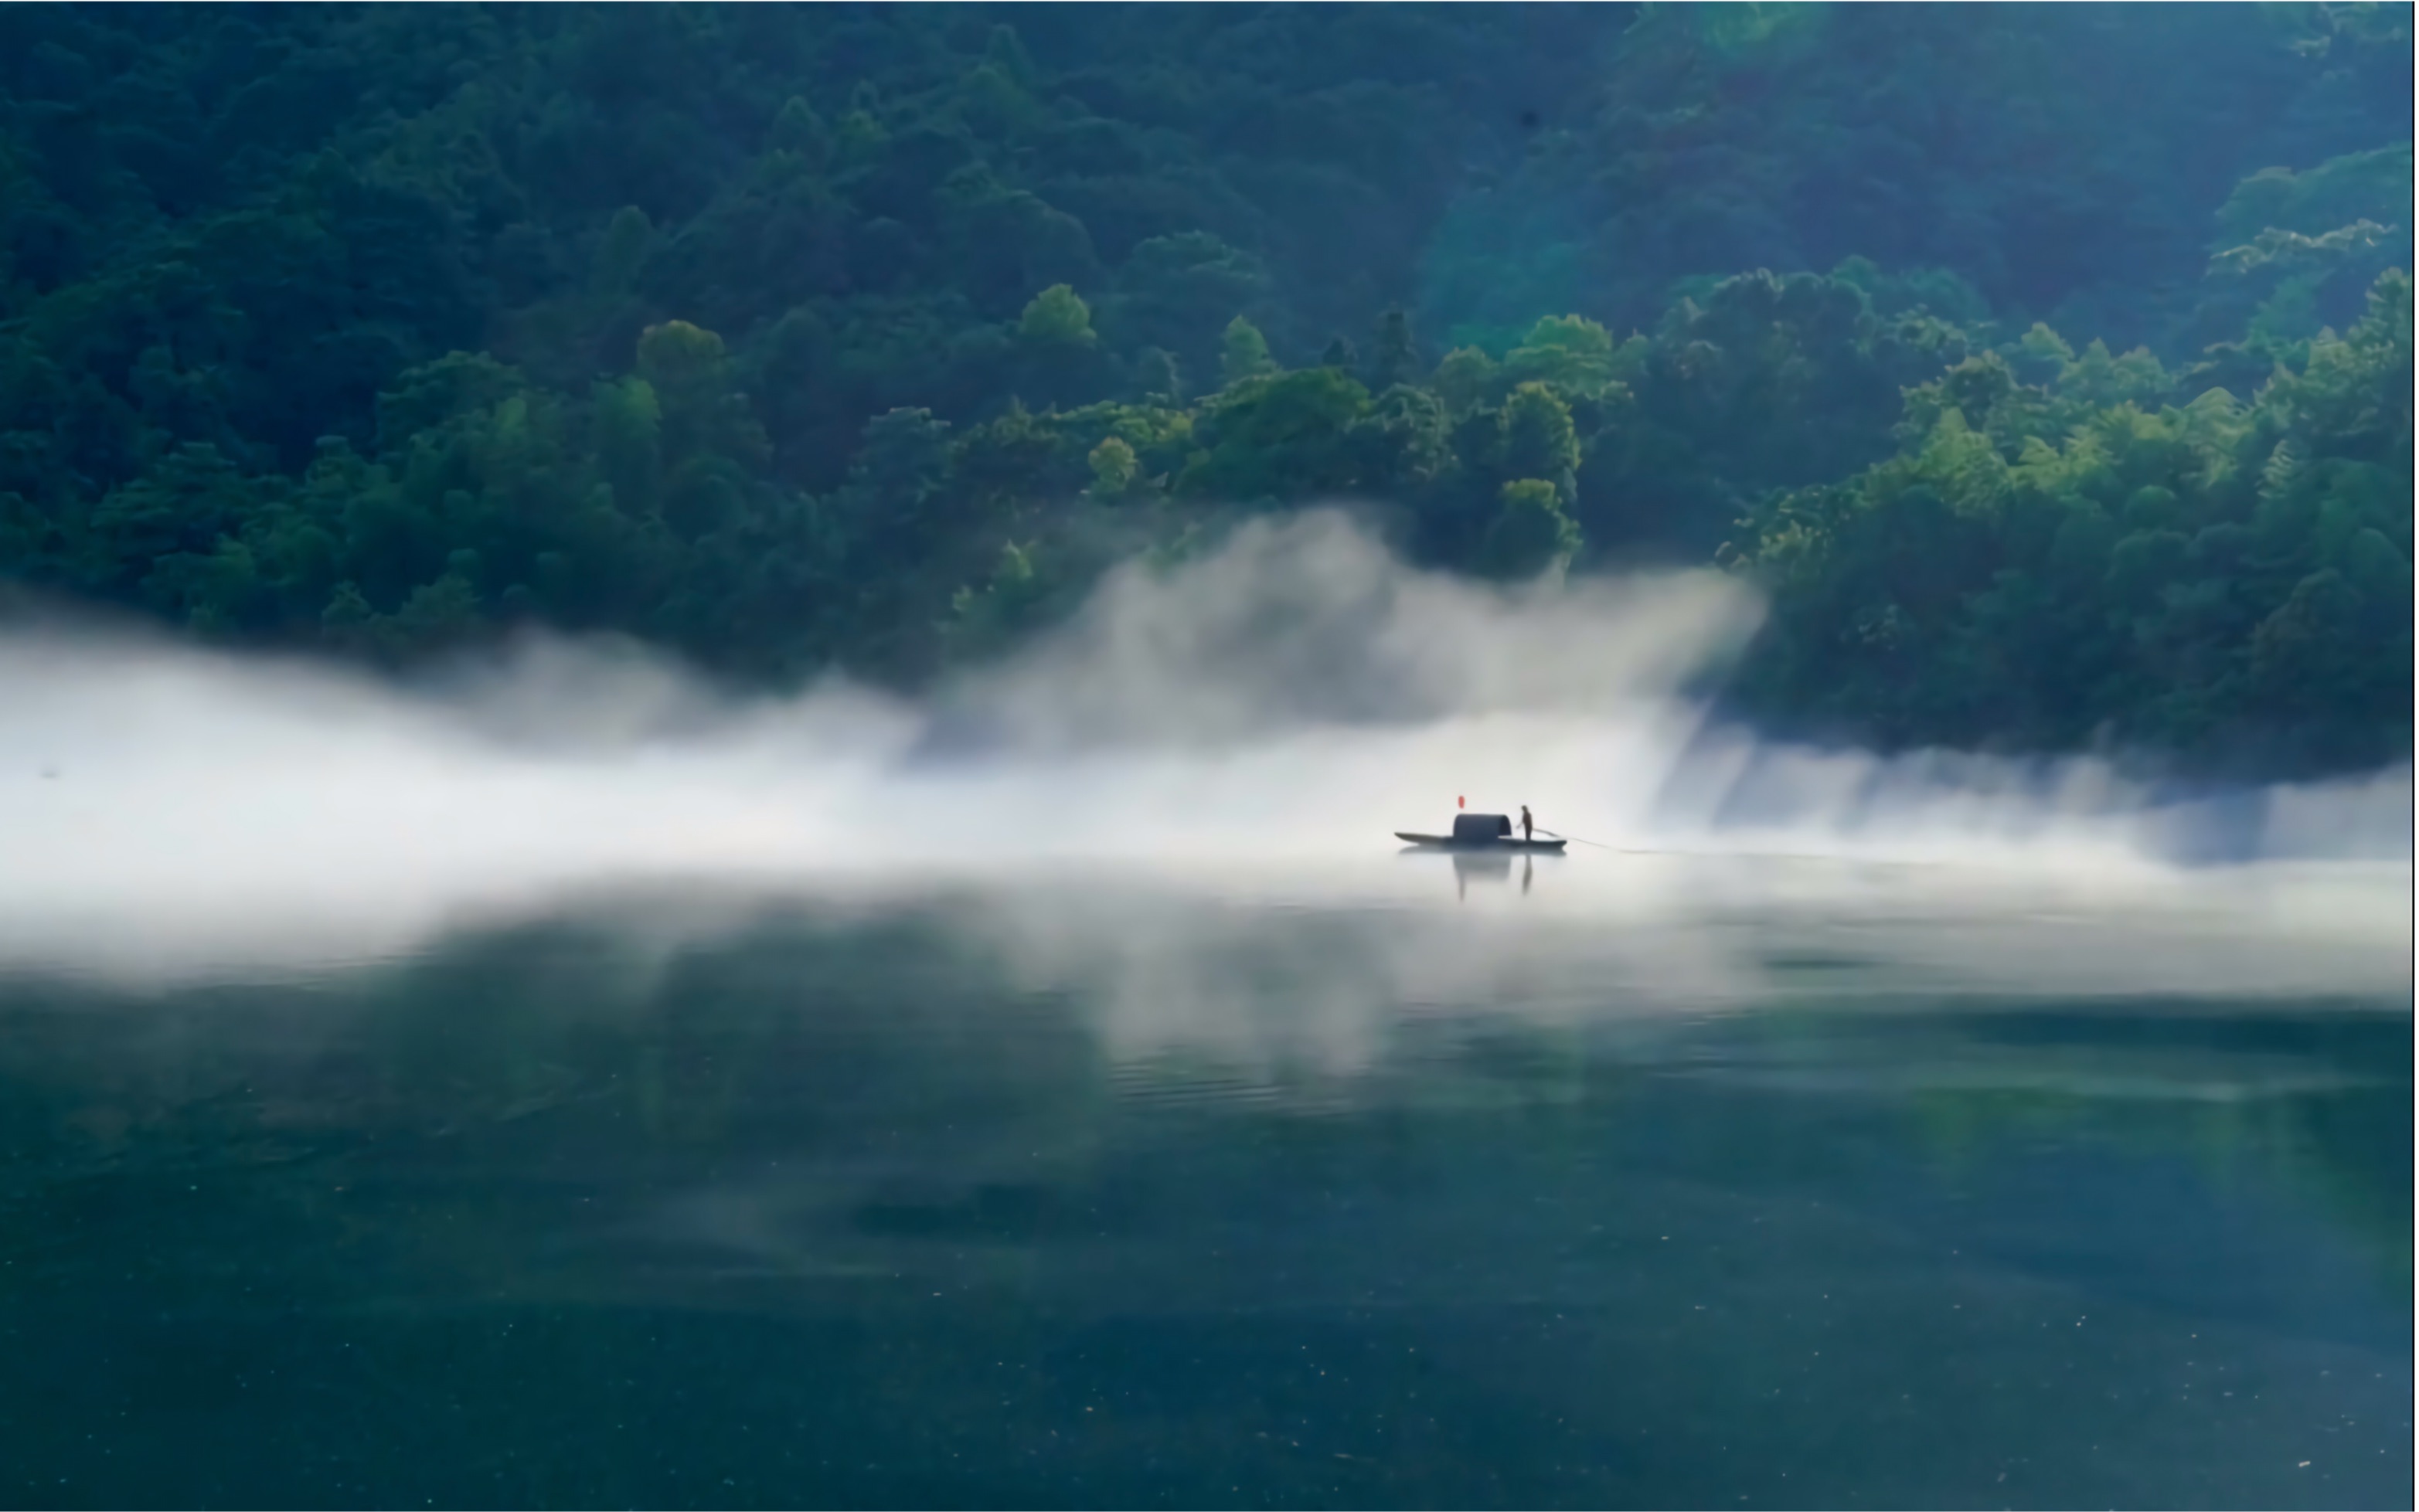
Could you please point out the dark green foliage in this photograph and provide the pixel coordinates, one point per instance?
(2062, 161)
(1768, 383)
(1279, 438)
(869, 338)
(2104, 553)
(1530, 533)
(1244, 352)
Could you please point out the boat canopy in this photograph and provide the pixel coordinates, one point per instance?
(1470, 827)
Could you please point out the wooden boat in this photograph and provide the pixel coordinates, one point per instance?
(1480, 832)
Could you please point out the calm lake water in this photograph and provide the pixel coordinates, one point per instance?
(1097, 1195)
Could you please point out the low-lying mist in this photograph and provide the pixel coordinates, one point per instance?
(1257, 722)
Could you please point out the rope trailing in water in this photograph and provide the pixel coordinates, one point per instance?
(1740, 855)
(1599, 845)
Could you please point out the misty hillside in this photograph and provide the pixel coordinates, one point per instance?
(2049, 367)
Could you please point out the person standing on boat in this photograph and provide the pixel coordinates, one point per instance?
(1528, 825)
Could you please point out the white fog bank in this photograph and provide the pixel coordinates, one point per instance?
(1261, 719)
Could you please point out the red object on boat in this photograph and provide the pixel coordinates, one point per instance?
(1460, 802)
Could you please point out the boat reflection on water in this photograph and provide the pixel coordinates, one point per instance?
(1482, 866)
(1468, 868)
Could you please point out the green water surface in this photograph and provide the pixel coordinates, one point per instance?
(886, 1208)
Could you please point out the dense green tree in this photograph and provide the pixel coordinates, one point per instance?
(1114, 468)
(1244, 354)
(1279, 438)
(1539, 441)
(1530, 534)
(1403, 445)
(1464, 379)
(1057, 316)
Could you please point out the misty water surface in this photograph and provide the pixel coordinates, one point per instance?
(1096, 1193)
(566, 1084)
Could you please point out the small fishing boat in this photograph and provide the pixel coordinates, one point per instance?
(1480, 832)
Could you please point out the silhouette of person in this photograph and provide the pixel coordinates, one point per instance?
(1528, 825)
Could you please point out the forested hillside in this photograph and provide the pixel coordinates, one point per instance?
(2050, 367)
